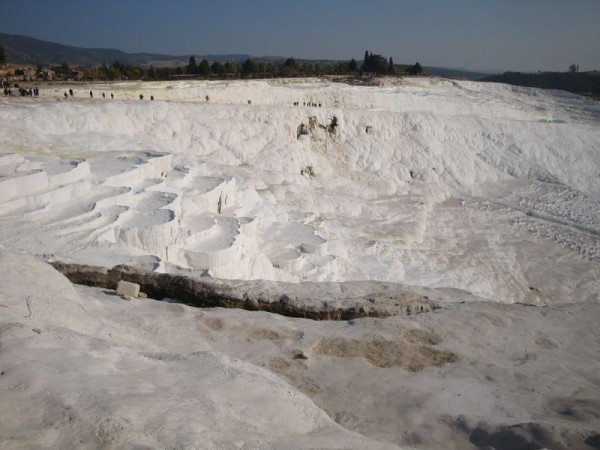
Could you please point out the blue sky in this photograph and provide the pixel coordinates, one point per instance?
(476, 34)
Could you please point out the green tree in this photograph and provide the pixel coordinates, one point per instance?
(66, 69)
(352, 66)
(116, 71)
(273, 69)
(375, 63)
(249, 67)
(290, 63)
(233, 69)
(63, 71)
(378, 64)
(151, 73)
(192, 67)
(341, 68)
(391, 69)
(309, 69)
(204, 68)
(2, 55)
(289, 68)
(217, 68)
(574, 68)
(132, 72)
(415, 70)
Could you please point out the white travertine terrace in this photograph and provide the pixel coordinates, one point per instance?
(446, 189)
(461, 204)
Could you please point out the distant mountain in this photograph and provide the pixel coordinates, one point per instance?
(26, 50)
(234, 57)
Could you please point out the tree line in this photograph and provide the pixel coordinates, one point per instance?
(372, 64)
(380, 65)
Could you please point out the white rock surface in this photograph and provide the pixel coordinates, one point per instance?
(129, 289)
(80, 368)
(483, 187)
(105, 373)
(458, 186)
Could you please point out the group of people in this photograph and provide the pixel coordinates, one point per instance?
(72, 94)
(36, 92)
(314, 104)
(21, 92)
(112, 96)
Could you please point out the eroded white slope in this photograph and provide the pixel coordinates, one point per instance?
(82, 368)
(419, 197)
(74, 377)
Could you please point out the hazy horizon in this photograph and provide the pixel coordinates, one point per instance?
(464, 34)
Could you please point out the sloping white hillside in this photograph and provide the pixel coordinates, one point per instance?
(71, 376)
(82, 368)
(483, 187)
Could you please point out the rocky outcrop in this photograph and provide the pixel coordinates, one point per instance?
(318, 301)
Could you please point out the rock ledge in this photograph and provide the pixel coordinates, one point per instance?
(317, 301)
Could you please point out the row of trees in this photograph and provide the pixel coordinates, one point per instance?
(217, 70)
(382, 66)
(376, 64)
(372, 64)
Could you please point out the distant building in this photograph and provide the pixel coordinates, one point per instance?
(13, 73)
(23, 73)
(45, 74)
